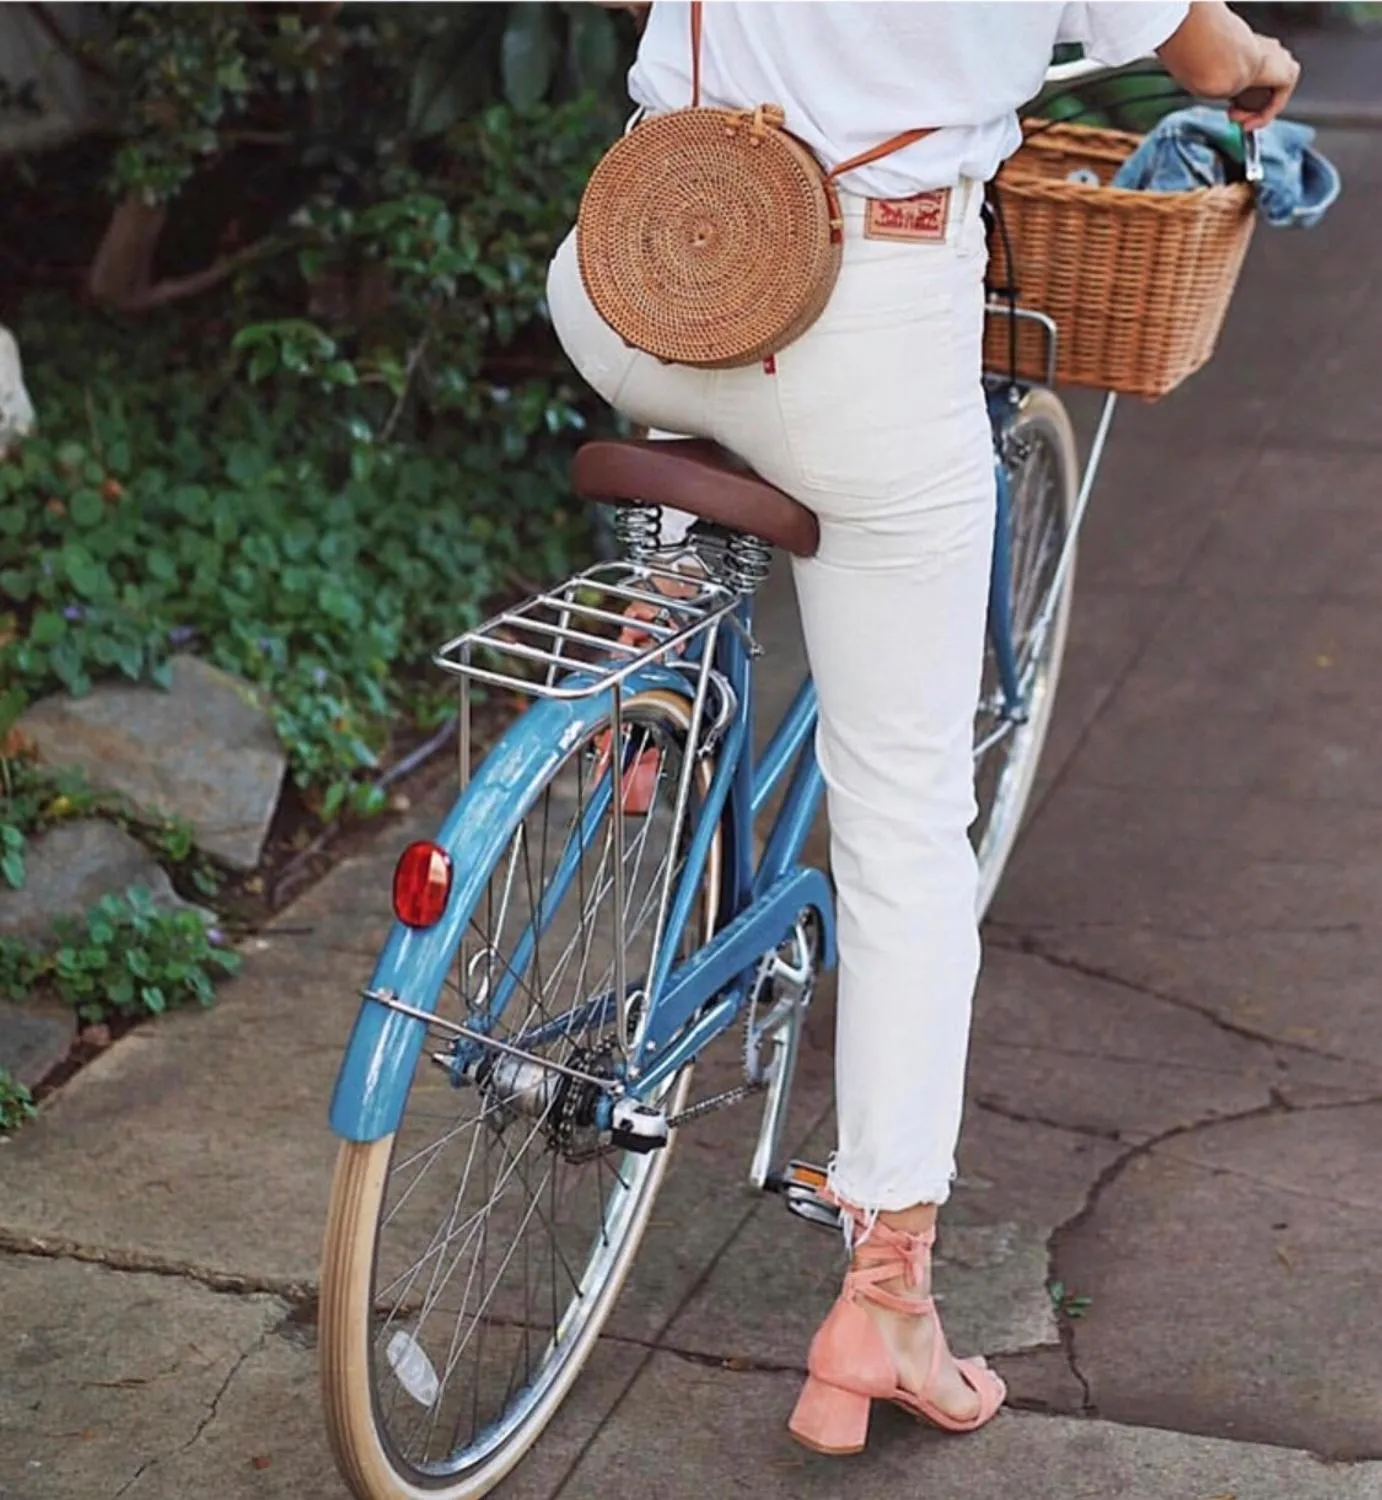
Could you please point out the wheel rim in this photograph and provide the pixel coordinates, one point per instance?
(498, 1247)
(1038, 466)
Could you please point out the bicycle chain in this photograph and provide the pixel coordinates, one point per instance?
(692, 1112)
(739, 1092)
(716, 1101)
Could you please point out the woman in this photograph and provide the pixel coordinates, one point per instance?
(875, 419)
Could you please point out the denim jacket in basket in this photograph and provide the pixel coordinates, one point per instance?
(1202, 147)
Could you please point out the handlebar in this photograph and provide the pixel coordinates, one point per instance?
(1083, 69)
(1250, 100)
(1253, 100)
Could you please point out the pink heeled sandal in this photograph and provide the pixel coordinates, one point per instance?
(850, 1365)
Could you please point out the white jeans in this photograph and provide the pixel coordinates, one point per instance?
(875, 419)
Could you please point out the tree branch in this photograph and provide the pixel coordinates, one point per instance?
(175, 288)
(47, 23)
(414, 360)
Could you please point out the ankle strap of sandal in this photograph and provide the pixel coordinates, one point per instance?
(882, 1253)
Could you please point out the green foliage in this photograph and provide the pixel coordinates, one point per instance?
(321, 569)
(1066, 1304)
(178, 87)
(126, 957)
(351, 449)
(459, 254)
(34, 797)
(16, 1103)
(348, 88)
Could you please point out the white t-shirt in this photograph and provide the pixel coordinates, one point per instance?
(850, 75)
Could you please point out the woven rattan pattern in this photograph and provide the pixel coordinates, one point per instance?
(709, 237)
(1138, 283)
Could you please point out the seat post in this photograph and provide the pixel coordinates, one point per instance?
(638, 530)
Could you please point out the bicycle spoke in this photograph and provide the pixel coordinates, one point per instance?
(503, 1216)
(1038, 456)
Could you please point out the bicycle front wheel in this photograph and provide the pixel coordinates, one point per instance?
(1038, 454)
(473, 1256)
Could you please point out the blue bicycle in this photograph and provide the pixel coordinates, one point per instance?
(607, 897)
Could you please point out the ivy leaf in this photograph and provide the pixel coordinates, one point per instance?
(528, 55)
(85, 574)
(335, 796)
(594, 47)
(12, 868)
(12, 704)
(47, 628)
(452, 79)
(17, 584)
(86, 508)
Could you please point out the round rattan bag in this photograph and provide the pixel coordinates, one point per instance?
(709, 237)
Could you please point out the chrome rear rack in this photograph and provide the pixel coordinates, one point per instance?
(565, 643)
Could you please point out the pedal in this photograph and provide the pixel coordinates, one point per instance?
(803, 1186)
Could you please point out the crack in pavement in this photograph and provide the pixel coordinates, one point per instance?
(1275, 1106)
(991, 1106)
(214, 1407)
(212, 1411)
(1087, 1054)
(134, 1479)
(1031, 947)
(296, 1293)
(649, 1348)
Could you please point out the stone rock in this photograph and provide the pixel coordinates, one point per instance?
(16, 410)
(34, 1039)
(71, 867)
(204, 751)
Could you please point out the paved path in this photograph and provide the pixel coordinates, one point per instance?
(1341, 79)
(1176, 1083)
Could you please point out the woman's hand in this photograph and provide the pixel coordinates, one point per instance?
(1217, 55)
(1277, 71)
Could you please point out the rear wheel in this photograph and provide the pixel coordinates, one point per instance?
(1038, 453)
(473, 1256)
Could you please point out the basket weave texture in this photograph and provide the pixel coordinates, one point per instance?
(705, 237)
(1138, 283)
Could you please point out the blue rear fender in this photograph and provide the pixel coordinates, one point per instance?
(383, 1050)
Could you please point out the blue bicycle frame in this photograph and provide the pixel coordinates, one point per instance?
(689, 1003)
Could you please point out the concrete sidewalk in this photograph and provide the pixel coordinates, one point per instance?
(1176, 1082)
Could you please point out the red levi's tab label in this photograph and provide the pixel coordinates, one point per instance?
(922, 219)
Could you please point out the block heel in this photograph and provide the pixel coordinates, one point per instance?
(849, 1362)
(830, 1420)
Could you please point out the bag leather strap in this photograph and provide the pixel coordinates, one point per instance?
(864, 159)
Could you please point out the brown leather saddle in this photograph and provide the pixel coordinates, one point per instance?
(698, 477)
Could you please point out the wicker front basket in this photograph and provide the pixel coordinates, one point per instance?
(1138, 283)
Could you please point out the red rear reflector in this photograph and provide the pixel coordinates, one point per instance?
(421, 884)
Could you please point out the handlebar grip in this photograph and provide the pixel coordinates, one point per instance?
(1253, 100)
